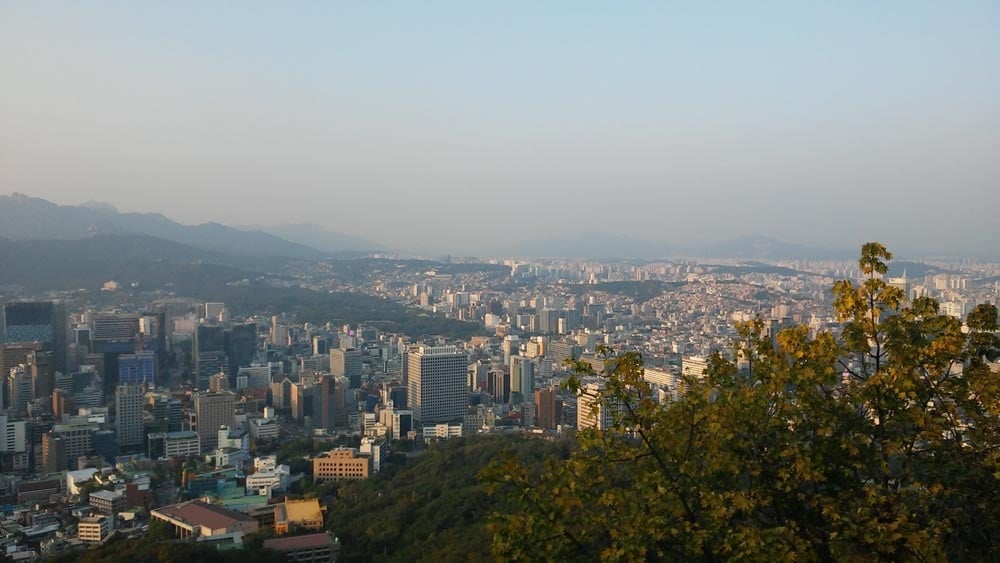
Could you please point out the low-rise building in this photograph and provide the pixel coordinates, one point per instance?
(341, 463)
(201, 520)
(93, 529)
(265, 483)
(377, 449)
(442, 431)
(174, 444)
(298, 515)
(312, 548)
(108, 502)
(264, 428)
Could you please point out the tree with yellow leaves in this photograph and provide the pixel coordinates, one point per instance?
(880, 443)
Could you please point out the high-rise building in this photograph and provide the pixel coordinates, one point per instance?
(214, 310)
(19, 391)
(594, 410)
(437, 390)
(41, 322)
(213, 410)
(11, 356)
(522, 379)
(117, 331)
(137, 369)
(114, 334)
(128, 405)
(62, 403)
(320, 345)
(511, 347)
(346, 363)
(240, 347)
(168, 410)
(498, 385)
(692, 368)
(209, 354)
(301, 401)
(13, 435)
(53, 453)
(77, 440)
(42, 373)
(548, 408)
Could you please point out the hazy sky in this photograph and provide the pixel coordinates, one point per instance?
(455, 125)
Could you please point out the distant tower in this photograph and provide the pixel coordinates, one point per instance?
(522, 379)
(128, 406)
(346, 363)
(209, 354)
(437, 390)
(213, 410)
(593, 411)
(42, 322)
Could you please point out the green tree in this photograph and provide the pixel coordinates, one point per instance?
(877, 444)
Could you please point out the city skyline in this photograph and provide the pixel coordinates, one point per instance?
(453, 127)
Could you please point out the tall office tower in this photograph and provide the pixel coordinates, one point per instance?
(13, 435)
(36, 429)
(213, 410)
(82, 337)
(300, 404)
(522, 379)
(76, 438)
(209, 354)
(213, 311)
(281, 394)
(62, 403)
(154, 334)
(168, 410)
(53, 453)
(128, 405)
(548, 320)
(43, 322)
(436, 389)
(19, 390)
(240, 348)
(346, 363)
(511, 347)
(692, 367)
(341, 386)
(548, 408)
(592, 410)
(42, 374)
(115, 330)
(11, 356)
(114, 334)
(498, 385)
(327, 408)
(137, 369)
(321, 345)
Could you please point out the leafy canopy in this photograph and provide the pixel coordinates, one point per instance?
(877, 443)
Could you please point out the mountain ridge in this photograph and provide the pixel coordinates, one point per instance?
(23, 217)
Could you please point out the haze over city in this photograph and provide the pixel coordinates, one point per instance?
(512, 281)
(454, 127)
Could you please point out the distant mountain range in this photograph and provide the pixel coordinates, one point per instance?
(606, 245)
(23, 218)
(319, 237)
(28, 218)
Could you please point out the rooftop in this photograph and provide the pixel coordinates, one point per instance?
(106, 495)
(305, 510)
(197, 513)
(298, 542)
